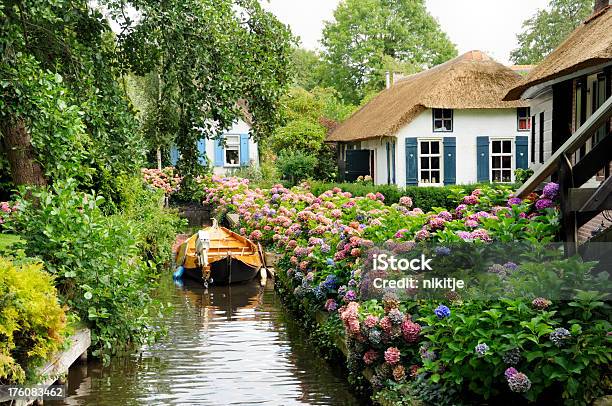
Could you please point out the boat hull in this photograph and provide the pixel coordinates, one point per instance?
(225, 272)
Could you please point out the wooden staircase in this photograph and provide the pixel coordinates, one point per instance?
(579, 205)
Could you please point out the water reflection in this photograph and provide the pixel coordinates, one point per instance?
(230, 345)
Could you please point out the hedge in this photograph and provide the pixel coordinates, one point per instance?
(424, 197)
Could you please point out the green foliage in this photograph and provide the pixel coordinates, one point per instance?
(209, 55)
(522, 175)
(296, 165)
(157, 115)
(368, 37)
(309, 69)
(32, 322)
(299, 134)
(156, 227)
(543, 32)
(577, 368)
(308, 117)
(59, 79)
(57, 130)
(95, 259)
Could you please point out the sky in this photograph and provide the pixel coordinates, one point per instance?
(490, 26)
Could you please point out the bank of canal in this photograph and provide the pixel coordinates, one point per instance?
(229, 345)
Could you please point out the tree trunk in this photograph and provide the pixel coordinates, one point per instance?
(159, 159)
(25, 170)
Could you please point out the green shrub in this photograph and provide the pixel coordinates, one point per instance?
(572, 372)
(296, 165)
(155, 226)
(32, 322)
(95, 259)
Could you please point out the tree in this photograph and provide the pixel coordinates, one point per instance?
(543, 32)
(310, 69)
(366, 35)
(210, 55)
(308, 116)
(63, 113)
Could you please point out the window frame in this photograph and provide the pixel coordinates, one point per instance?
(429, 155)
(502, 154)
(234, 146)
(451, 118)
(526, 118)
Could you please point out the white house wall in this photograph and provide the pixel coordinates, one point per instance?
(467, 125)
(380, 159)
(542, 103)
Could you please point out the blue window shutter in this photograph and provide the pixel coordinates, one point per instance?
(412, 163)
(393, 161)
(450, 160)
(388, 163)
(522, 143)
(219, 152)
(244, 149)
(202, 151)
(174, 155)
(482, 159)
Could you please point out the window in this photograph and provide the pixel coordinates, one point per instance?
(501, 160)
(442, 120)
(523, 119)
(431, 166)
(232, 150)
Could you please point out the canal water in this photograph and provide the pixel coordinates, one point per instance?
(225, 346)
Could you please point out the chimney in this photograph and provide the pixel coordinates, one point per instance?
(388, 79)
(601, 4)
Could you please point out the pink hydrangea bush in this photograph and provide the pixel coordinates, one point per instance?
(166, 179)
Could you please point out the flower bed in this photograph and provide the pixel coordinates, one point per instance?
(446, 350)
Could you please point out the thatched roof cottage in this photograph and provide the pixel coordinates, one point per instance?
(443, 126)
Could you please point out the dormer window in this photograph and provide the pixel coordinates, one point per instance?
(442, 120)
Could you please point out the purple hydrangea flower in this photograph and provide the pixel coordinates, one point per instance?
(519, 383)
(350, 296)
(511, 266)
(551, 190)
(544, 204)
(510, 372)
(514, 200)
(442, 311)
(331, 305)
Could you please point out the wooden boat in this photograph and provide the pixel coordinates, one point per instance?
(218, 255)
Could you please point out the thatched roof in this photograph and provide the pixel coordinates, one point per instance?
(470, 81)
(589, 45)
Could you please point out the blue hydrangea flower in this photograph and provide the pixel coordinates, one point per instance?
(511, 266)
(331, 282)
(442, 311)
(442, 251)
(560, 336)
(481, 349)
(330, 262)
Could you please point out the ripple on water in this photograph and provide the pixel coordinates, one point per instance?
(230, 345)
